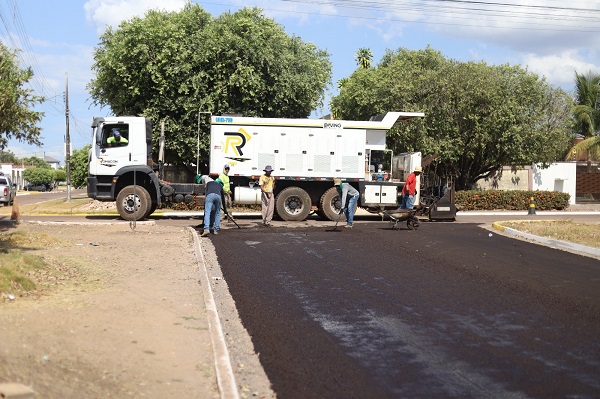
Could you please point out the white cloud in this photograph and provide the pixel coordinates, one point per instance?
(103, 13)
(559, 69)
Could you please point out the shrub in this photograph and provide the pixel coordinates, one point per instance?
(510, 200)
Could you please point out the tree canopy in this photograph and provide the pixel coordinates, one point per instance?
(17, 119)
(79, 167)
(39, 175)
(169, 66)
(37, 162)
(478, 117)
(8, 157)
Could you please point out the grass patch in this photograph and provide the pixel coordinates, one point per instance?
(24, 267)
(563, 230)
(16, 270)
(64, 207)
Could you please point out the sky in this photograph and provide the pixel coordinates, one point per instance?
(56, 38)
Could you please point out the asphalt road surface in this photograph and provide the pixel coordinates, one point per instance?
(449, 310)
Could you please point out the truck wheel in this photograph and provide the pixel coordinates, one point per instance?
(133, 202)
(293, 204)
(330, 205)
(167, 190)
(151, 210)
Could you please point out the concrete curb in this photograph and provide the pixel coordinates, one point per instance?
(225, 377)
(569, 246)
(521, 213)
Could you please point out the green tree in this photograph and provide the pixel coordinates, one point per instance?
(364, 58)
(37, 162)
(8, 157)
(587, 117)
(60, 175)
(17, 119)
(79, 167)
(168, 66)
(39, 175)
(478, 117)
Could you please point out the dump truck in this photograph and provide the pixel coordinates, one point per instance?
(306, 155)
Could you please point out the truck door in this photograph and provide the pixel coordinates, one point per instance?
(118, 142)
(112, 149)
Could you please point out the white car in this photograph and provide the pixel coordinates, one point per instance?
(8, 191)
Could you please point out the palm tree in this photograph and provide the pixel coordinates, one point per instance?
(364, 58)
(587, 117)
(588, 149)
(587, 110)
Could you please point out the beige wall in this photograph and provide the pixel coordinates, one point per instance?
(509, 180)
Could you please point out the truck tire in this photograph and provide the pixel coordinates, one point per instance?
(133, 203)
(293, 204)
(150, 210)
(167, 190)
(330, 205)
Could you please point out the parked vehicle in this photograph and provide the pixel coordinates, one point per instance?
(8, 190)
(39, 187)
(305, 153)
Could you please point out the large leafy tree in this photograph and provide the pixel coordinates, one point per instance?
(79, 167)
(170, 66)
(587, 117)
(478, 117)
(17, 119)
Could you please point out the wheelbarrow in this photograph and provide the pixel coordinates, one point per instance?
(402, 215)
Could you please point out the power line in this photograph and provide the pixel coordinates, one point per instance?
(526, 17)
(17, 36)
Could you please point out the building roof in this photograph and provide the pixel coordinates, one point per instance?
(51, 160)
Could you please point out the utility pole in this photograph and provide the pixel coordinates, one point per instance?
(67, 139)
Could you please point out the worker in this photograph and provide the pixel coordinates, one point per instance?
(349, 196)
(214, 199)
(409, 190)
(224, 176)
(116, 139)
(267, 185)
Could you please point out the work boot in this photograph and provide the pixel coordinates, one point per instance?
(205, 233)
(216, 233)
(348, 226)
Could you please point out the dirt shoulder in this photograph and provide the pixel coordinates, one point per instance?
(129, 320)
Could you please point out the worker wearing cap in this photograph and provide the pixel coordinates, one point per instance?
(267, 185)
(116, 139)
(224, 177)
(410, 189)
(349, 196)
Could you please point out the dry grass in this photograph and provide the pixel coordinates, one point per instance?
(564, 230)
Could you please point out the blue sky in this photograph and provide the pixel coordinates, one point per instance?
(553, 38)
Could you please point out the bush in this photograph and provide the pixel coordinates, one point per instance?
(510, 200)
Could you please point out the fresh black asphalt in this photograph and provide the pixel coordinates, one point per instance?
(449, 310)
